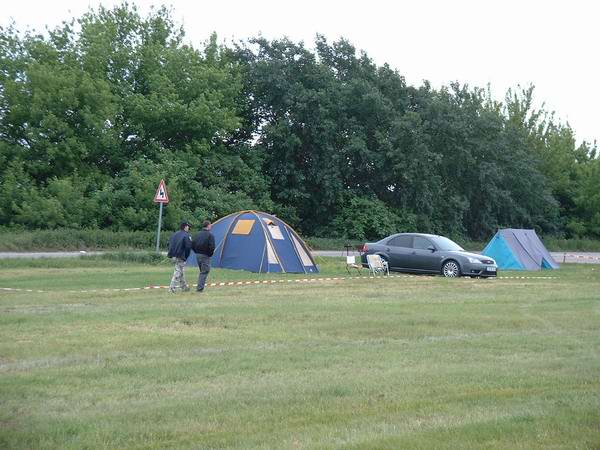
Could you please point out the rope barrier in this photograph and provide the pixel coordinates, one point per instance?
(267, 282)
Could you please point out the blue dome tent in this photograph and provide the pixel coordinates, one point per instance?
(258, 242)
(515, 249)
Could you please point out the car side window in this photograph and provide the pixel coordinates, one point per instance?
(420, 243)
(401, 241)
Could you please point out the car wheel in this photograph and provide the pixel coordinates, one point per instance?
(451, 269)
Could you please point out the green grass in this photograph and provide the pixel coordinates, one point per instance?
(420, 362)
(106, 271)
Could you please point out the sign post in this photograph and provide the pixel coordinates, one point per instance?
(160, 197)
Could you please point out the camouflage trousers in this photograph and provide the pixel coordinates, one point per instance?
(178, 279)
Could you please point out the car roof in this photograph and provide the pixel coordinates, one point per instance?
(415, 234)
(409, 234)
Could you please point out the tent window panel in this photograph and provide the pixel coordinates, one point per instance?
(243, 226)
(306, 261)
(271, 254)
(274, 230)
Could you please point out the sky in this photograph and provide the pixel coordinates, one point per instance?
(553, 45)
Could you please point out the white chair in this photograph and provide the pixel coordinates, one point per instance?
(351, 264)
(377, 265)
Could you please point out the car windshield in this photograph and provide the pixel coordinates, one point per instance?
(446, 244)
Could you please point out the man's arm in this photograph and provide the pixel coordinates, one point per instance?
(187, 245)
(170, 247)
(211, 245)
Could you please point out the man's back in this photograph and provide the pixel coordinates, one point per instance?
(204, 243)
(179, 245)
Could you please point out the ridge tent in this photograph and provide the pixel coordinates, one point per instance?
(516, 249)
(258, 242)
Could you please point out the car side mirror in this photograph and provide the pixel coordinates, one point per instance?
(432, 248)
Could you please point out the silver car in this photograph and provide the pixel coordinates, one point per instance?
(429, 253)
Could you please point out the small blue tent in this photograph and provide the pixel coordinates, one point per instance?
(515, 249)
(258, 242)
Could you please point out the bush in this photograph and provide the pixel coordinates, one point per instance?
(565, 245)
(91, 239)
(82, 239)
(319, 243)
(367, 218)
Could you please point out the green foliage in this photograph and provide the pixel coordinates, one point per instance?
(370, 219)
(91, 121)
(571, 244)
(94, 239)
(95, 112)
(78, 239)
(587, 200)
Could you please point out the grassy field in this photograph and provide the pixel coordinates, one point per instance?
(419, 362)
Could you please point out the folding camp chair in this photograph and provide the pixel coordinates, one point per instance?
(351, 264)
(377, 265)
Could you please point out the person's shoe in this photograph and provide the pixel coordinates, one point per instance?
(199, 290)
(171, 290)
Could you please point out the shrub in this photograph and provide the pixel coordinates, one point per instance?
(369, 218)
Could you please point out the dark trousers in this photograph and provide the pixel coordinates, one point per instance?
(204, 266)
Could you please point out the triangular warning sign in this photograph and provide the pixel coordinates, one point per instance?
(161, 195)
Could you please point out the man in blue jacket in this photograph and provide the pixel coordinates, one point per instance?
(180, 246)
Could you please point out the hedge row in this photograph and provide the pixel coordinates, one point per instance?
(89, 239)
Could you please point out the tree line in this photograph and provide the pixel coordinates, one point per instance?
(96, 111)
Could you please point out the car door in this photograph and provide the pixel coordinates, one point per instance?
(422, 258)
(399, 249)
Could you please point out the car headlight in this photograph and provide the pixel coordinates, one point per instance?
(474, 261)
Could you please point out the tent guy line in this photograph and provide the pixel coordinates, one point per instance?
(270, 282)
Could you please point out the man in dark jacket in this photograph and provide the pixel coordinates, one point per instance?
(204, 246)
(180, 245)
